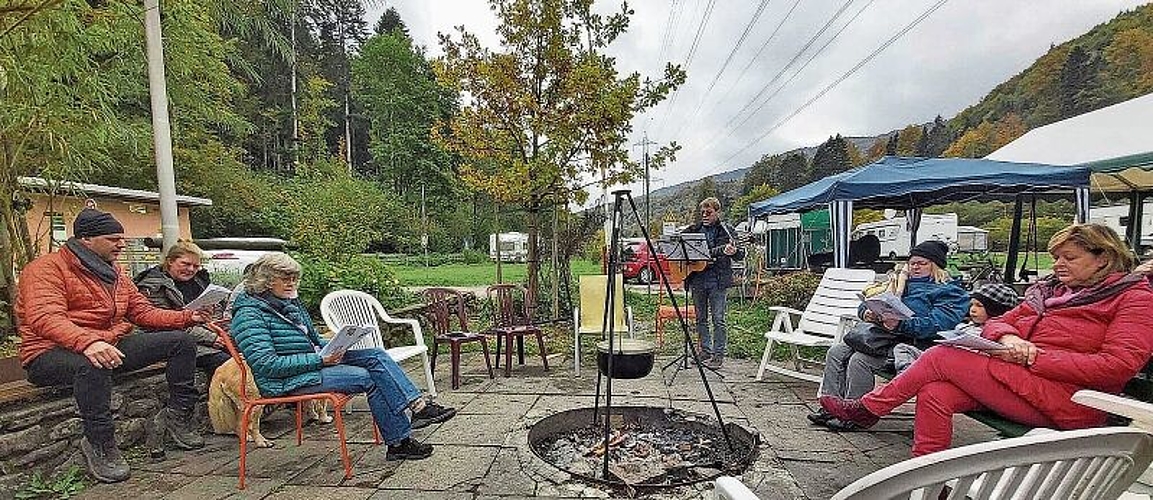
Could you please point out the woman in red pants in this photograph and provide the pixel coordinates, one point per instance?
(1088, 326)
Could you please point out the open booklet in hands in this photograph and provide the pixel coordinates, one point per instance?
(969, 338)
(345, 339)
(211, 296)
(887, 305)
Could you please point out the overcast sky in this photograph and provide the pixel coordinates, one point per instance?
(945, 63)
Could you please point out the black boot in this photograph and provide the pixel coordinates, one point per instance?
(178, 426)
(104, 461)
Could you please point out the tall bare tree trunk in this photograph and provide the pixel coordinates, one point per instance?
(533, 286)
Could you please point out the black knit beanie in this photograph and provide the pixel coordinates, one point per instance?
(91, 223)
(933, 250)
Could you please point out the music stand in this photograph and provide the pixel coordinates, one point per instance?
(685, 247)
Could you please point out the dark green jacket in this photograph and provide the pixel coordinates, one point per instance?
(279, 346)
(161, 291)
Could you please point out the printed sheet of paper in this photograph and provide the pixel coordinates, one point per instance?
(211, 296)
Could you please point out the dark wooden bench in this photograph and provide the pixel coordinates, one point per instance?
(1139, 388)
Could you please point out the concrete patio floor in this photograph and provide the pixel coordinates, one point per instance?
(482, 453)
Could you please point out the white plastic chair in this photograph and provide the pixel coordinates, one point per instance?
(831, 310)
(588, 316)
(1082, 464)
(353, 307)
(1097, 464)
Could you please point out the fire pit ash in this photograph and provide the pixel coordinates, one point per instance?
(648, 447)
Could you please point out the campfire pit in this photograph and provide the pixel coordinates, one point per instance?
(648, 448)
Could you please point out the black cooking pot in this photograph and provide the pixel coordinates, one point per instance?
(632, 358)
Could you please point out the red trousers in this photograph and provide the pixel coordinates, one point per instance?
(947, 381)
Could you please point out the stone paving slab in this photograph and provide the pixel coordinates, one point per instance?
(483, 452)
(450, 468)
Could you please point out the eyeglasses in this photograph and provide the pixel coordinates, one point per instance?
(287, 279)
(919, 263)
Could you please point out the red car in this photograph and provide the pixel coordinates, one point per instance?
(637, 264)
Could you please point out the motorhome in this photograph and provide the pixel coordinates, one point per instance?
(513, 247)
(893, 233)
(1117, 217)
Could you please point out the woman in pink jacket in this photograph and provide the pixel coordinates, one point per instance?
(1088, 326)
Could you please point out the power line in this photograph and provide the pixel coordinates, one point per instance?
(806, 64)
(788, 65)
(733, 52)
(760, 50)
(689, 59)
(670, 29)
(840, 79)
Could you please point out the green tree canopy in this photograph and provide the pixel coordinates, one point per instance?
(549, 109)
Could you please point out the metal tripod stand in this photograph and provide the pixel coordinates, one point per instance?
(613, 265)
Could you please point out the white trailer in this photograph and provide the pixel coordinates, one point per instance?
(1117, 217)
(513, 247)
(893, 233)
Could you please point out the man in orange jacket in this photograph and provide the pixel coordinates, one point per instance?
(76, 310)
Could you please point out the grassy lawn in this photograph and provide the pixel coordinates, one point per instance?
(475, 274)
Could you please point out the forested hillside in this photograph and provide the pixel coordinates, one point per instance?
(1111, 63)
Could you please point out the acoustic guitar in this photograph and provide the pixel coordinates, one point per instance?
(681, 269)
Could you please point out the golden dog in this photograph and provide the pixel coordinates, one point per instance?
(225, 406)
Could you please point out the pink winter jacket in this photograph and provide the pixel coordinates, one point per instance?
(1098, 345)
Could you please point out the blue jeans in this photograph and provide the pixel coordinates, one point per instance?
(374, 373)
(710, 303)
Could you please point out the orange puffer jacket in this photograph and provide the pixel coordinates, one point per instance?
(61, 303)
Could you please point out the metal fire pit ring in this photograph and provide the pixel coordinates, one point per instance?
(545, 434)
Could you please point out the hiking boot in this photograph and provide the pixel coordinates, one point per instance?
(849, 410)
(838, 425)
(703, 357)
(715, 362)
(821, 417)
(104, 461)
(408, 449)
(432, 413)
(179, 427)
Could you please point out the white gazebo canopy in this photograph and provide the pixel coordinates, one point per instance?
(1115, 142)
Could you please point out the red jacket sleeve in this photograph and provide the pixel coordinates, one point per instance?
(1125, 350)
(994, 329)
(44, 287)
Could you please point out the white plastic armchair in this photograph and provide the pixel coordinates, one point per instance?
(830, 311)
(353, 307)
(1097, 464)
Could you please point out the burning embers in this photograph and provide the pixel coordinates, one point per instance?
(648, 447)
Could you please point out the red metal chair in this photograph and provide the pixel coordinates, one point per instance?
(336, 399)
(512, 322)
(669, 313)
(443, 304)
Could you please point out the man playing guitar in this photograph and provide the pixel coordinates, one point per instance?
(709, 286)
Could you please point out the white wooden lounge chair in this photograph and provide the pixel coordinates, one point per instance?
(1097, 464)
(353, 307)
(831, 310)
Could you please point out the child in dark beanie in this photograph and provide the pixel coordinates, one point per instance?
(986, 302)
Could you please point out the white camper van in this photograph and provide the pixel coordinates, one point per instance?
(894, 235)
(513, 247)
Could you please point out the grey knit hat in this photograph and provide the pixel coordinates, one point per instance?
(998, 298)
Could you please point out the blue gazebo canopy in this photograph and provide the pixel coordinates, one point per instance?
(908, 183)
(911, 183)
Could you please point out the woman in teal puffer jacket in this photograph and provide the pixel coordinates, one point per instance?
(281, 346)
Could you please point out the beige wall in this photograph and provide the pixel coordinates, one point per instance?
(140, 218)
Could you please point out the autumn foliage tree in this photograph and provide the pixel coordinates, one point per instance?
(548, 110)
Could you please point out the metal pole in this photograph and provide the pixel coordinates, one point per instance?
(161, 132)
(423, 225)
